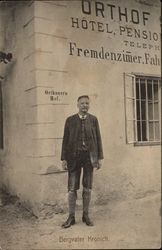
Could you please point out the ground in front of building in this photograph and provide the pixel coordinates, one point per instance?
(134, 223)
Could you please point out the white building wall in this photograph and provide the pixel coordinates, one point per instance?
(48, 65)
(17, 156)
(127, 170)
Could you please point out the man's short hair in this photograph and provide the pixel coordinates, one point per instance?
(83, 96)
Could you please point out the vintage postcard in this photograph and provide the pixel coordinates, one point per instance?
(80, 124)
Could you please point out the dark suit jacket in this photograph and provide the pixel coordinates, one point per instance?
(70, 140)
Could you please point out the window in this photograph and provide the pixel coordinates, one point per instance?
(1, 118)
(142, 108)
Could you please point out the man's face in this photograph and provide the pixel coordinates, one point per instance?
(83, 105)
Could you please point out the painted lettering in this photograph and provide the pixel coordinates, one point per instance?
(86, 7)
(101, 9)
(124, 56)
(135, 16)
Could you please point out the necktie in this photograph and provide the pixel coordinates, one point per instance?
(83, 117)
(83, 129)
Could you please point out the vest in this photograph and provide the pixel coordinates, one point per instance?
(82, 138)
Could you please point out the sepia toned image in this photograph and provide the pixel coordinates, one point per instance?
(80, 124)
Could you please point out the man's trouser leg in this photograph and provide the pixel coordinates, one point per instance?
(73, 186)
(86, 201)
(87, 186)
(86, 195)
(72, 196)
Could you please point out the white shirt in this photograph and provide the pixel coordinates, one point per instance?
(82, 116)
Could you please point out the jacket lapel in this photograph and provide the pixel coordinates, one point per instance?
(88, 127)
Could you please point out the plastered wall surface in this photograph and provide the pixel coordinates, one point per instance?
(16, 163)
(47, 75)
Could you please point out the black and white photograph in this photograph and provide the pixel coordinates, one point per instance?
(80, 124)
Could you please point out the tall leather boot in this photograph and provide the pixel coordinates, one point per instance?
(72, 196)
(86, 200)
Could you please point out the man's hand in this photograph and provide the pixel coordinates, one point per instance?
(64, 165)
(99, 164)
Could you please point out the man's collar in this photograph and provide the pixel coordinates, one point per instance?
(82, 116)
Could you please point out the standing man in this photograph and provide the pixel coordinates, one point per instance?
(81, 148)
